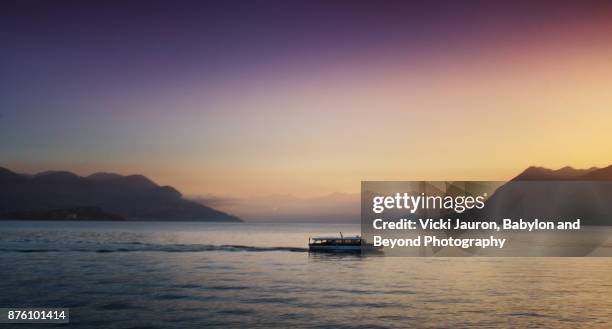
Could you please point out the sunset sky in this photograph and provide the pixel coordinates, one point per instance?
(244, 99)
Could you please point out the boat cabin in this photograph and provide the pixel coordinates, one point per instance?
(335, 241)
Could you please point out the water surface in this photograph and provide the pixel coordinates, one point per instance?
(176, 275)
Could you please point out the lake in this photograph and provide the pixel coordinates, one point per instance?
(177, 275)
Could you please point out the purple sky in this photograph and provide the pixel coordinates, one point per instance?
(307, 98)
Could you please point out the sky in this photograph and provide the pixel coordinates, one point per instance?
(240, 102)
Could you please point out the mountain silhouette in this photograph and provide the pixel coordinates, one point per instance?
(601, 174)
(562, 194)
(98, 196)
(565, 173)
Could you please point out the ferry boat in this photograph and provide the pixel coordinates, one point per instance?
(353, 244)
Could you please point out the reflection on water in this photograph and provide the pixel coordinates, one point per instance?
(162, 275)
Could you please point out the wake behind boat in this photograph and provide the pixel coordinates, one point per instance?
(353, 244)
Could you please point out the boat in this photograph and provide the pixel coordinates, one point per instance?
(353, 244)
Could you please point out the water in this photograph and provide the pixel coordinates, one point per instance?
(177, 275)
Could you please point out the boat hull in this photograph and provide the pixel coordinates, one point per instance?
(342, 249)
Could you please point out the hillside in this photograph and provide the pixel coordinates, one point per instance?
(560, 194)
(133, 197)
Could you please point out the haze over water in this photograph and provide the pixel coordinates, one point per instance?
(176, 275)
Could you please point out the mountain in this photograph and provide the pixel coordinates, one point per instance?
(565, 173)
(8, 177)
(103, 176)
(562, 194)
(99, 196)
(600, 174)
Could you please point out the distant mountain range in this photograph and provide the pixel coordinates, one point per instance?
(565, 173)
(565, 194)
(537, 191)
(101, 196)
